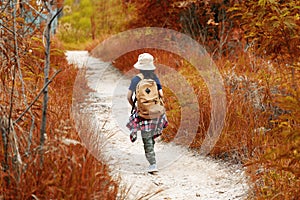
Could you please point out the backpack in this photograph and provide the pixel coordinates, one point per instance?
(149, 104)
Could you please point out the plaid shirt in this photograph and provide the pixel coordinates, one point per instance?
(137, 123)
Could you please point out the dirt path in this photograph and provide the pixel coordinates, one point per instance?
(182, 175)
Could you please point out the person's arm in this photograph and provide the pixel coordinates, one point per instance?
(131, 89)
(129, 97)
(159, 87)
(161, 94)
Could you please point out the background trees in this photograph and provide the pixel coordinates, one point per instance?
(271, 29)
(205, 21)
(87, 20)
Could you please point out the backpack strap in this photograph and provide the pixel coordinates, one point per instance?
(141, 76)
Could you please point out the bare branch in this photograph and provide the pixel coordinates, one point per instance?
(11, 31)
(37, 97)
(37, 12)
(56, 14)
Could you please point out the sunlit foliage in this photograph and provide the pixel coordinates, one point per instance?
(87, 20)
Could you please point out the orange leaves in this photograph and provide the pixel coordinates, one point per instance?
(262, 123)
(69, 171)
(270, 25)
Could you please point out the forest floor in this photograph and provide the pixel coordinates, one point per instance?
(183, 174)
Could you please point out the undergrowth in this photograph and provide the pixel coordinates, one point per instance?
(63, 169)
(261, 128)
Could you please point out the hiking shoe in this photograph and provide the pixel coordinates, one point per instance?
(152, 168)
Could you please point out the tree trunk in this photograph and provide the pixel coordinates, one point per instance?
(47, 35)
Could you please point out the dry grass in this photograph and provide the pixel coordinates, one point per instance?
(261, 129)
(68, 170)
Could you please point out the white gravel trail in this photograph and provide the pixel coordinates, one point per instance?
(182, 174)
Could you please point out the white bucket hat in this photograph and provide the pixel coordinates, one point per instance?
(145, 62)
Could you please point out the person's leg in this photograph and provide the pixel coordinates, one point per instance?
(149, 146)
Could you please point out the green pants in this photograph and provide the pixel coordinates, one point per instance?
(149, 146)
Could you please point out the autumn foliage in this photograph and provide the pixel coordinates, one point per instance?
(61, 167)
(256, 47)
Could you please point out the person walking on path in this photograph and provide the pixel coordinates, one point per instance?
(150, 127)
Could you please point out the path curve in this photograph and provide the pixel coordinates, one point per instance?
(183, 174)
